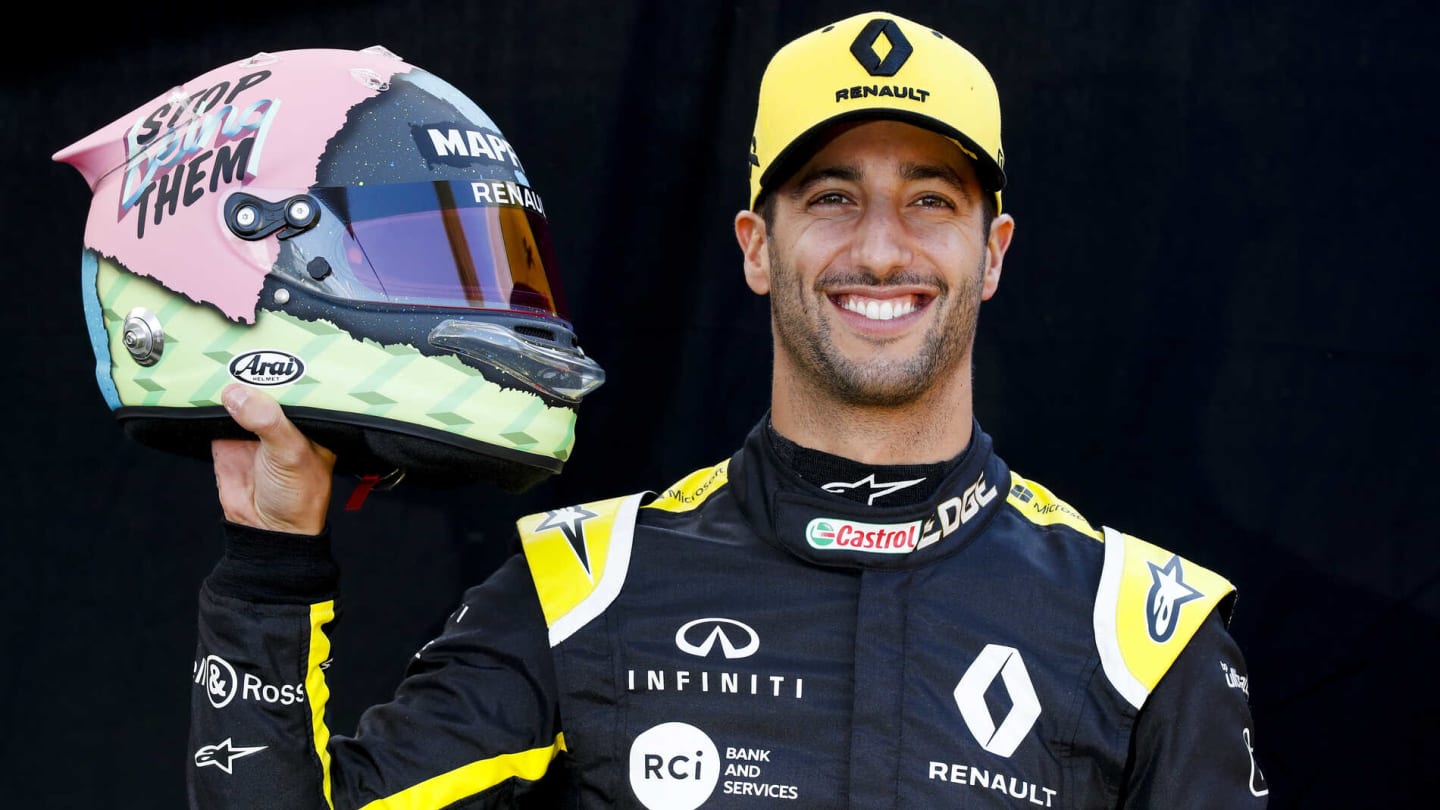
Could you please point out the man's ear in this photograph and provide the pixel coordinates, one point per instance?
(1002, 229)
(750, 233)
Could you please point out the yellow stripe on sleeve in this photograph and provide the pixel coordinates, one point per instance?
(318, 691)
(467, 780)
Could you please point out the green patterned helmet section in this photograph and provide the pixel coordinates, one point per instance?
(341, 373)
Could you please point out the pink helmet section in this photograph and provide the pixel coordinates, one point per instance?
(167, 166)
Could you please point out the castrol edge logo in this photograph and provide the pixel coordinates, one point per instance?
(836, 533)
(840, 534)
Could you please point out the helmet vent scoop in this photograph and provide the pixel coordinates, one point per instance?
(535, 332)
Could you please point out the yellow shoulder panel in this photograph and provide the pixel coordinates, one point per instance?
(1040, 506)
(578, 557)
(692, 490)
(1149, 604)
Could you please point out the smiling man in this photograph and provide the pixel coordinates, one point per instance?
(862, 607)
(883, 247)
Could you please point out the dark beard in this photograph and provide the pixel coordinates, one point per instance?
(875, 385)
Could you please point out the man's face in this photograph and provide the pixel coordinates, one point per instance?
(878, 260)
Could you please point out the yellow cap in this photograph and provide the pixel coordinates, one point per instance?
(873, 65)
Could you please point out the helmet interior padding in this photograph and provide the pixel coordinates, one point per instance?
(361, 449)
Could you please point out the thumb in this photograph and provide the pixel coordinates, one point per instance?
(256, 411)
(260, 413)
(290, 475)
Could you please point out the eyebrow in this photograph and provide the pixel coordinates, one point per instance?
(910, 172)
(933, 171)
(848, 174)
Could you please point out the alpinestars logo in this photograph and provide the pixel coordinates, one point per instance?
(223, 756)
(865, 52)
(875, 488)
(571, 521)
(1168, 593)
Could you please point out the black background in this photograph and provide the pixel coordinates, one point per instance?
(1215, 331)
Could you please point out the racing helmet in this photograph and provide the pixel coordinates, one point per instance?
(350, 233)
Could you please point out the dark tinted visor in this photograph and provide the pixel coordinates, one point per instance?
(478, 244)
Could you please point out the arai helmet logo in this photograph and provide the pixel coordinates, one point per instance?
(267, 367)
(834, 534)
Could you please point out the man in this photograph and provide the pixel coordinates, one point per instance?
(862, 607)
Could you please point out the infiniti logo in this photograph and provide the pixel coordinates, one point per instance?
(699, 637)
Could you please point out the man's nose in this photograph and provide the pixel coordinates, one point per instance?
(882, 243)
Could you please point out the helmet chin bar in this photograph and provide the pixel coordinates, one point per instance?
(565, 374)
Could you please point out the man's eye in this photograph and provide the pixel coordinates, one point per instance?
(934, 201)
(829, 198)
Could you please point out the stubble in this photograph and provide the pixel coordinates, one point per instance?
(803, 331)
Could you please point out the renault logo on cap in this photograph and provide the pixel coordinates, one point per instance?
(863, 48)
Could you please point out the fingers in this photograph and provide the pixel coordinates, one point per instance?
(234, 461)
(280, 483)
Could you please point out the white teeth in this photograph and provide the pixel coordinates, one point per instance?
(879, 310)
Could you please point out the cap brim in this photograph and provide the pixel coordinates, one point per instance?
(793, 156)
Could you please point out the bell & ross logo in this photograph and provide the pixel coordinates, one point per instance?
(222, 685)
(865, 52)
(218, 678)
(699, 637)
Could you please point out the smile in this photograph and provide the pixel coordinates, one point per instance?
(879, 309)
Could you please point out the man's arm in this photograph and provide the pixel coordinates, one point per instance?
(1194, 742)
(475, 715)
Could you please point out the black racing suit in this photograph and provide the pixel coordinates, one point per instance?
(747, 639)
